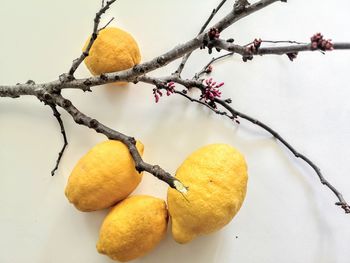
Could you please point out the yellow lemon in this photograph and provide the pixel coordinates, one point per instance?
(216, 177)
(103, 176)
(133, 228)
(113, 50)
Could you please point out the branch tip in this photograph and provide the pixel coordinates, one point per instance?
(180, 187)
(65, 141)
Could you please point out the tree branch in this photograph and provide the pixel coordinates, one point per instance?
(341, 201)
(56, 99)
(20, 89)
(233, 114)
(228, 20)
(275, 50)
(65, 141)
(185, 58)
(78, 61)
(130, 142)
(50, 92)
(159, 61)
(204, 104)
(205, 69)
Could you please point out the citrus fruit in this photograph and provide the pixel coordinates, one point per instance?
(103, 176)
(113, 50)
(216, 177)
(133, 228)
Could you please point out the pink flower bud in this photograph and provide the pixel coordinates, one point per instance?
(220, 85)
(209, 69)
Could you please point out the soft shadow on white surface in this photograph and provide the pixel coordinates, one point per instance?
(201, 250)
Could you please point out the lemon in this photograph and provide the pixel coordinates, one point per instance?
(216, 176)
(103, 176)
(113, 50)
(133, 228)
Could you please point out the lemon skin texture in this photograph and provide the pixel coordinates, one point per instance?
(103, 176)
(133, 228)
(113, 50)
(216, 177)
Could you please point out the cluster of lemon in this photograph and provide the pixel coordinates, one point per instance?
(216, 177)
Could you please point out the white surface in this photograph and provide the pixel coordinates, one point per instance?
(287, 216)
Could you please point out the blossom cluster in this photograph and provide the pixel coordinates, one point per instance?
(211, 91)
(169, 87)
(318, 42)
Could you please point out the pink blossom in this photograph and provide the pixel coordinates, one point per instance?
(318, 42)
(211, 91)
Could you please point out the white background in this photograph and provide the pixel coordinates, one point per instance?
(287, 215)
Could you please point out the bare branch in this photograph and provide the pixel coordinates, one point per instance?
(130, 142)
(185, 58)
(213, 13)
(275, 50)
(233, 114)
(224, 113)
(206, 67)
(78, 61)
(282, 41)
(57, 99)
(342, 203)
(228, 20)
(19, 90)
(107, 24)
(65, 141)
(234, 17)
(160, 61)
(50, 92)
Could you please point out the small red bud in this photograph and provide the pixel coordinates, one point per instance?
(209, 69)
(220, 84)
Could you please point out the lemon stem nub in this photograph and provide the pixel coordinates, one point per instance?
(180, 187)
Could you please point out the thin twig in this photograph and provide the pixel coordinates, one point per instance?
(278, 42)
(93, 37)
(106, 24)
(341, 201)
(65, 141)
(205, 68)
(189, 84)
(205, 104)
(282, 41)
(185, 58)
(213, 13)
